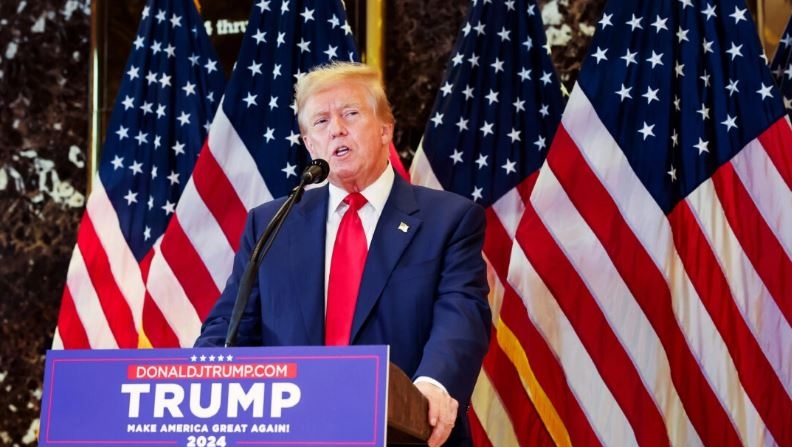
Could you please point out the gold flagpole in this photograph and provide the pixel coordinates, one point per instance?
(375, 32)
(94, 93)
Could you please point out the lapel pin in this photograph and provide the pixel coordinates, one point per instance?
(403, 227)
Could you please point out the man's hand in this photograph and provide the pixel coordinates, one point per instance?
(442, 412)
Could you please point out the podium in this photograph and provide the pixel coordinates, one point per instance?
(222, 397)
(407, 410)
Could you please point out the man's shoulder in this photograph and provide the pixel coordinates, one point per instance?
(442, 198)
(311, 196)
(268, 207)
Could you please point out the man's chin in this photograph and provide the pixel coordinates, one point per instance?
(342, 178)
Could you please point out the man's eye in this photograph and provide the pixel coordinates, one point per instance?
(319, 122)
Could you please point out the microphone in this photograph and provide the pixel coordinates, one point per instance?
(316, 172)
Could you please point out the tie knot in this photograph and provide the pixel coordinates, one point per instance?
(355, 201)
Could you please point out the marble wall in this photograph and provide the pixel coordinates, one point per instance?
(43, 133)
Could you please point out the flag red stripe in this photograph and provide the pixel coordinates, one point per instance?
(647, 285)
(756, 375)
(114, 305)
(756, 237)
(220, 197)
(156, 327)
(497, 242)
(477, 433)
(189, 269)
(527, 424)
(526, 186)
(502, 373)
(70, 327)
(496, 245)
(548, 371)
(775, 140)
(396, 162)
(613, 364)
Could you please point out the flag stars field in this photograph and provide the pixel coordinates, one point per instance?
(290, 170)
(781, 67)
(260, 37)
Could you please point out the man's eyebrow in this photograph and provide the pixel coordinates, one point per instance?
(343, 106)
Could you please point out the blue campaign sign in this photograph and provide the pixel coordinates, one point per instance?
(274, 396)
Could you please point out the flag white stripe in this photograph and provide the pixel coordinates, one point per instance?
(168, 294)
(759, 309)
(625, 317)
(421, 172)
(601, 409)
(125, 268)
(509, 209)
(229, 151)
(768, 190)
(205, 235)
(57, 341)
(491, 413)
(88, 308)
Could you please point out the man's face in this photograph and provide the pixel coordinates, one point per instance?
(342, 128)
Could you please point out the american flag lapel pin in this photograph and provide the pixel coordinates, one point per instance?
(403, 227)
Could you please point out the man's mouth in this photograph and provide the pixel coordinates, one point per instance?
(341, 151)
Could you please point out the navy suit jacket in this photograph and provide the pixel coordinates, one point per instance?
(423, 290)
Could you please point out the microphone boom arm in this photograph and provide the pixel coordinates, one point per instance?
(265, 242)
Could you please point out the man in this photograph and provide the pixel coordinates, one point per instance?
(420, 285)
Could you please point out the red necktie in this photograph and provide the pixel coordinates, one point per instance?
(346, 269)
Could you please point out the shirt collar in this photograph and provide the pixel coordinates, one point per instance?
(376, 193)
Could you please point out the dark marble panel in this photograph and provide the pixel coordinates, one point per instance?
(419, 37)
(43, 140)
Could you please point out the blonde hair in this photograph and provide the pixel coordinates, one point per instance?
(334, 73)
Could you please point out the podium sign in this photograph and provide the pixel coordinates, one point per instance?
(219, 397)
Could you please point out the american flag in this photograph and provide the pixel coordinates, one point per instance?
(781, 67)
(653, 257)
(171, 87)
(493, 120)
(254, 153)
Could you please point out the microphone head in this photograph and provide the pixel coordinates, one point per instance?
(316, 171)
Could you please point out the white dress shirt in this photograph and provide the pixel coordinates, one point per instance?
(376, 195)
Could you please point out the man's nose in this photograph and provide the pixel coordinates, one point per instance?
(336, 127)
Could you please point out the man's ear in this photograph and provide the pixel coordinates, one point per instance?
(387, 133)
(308, 145)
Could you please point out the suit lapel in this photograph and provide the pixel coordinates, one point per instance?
(307, 252)
(395, 230)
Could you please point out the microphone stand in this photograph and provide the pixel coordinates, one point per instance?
(262, 247)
